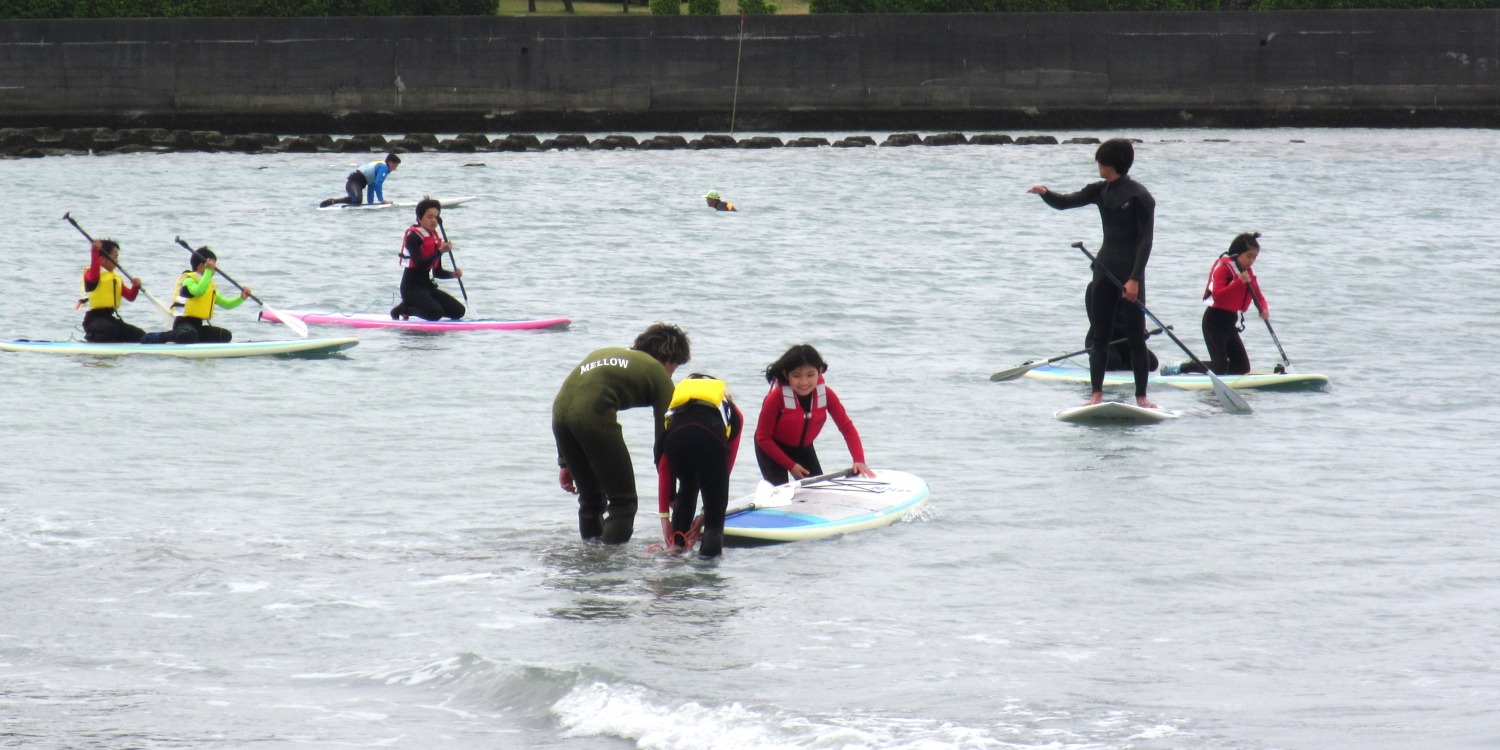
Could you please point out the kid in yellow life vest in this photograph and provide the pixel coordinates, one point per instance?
(104, 290)
(196, 297)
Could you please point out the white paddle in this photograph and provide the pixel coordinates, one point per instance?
(769, 495)
(296, 324)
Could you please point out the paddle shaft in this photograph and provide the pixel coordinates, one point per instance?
(86, 236)
(297, 326)
(219, 271)
(1016, 372)
(444, 230)
(116, 263)
(1224, 392)
(1284, 361)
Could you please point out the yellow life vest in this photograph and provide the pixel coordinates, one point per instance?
(107, 293)
(710, 391)
(200, 307)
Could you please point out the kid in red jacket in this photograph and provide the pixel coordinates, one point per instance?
(1231, 289)
(793, 414)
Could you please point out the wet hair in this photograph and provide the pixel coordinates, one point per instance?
(392, 158)
(1243, 242)
(108, 246)
(665, 342)
(1117, 153)
(201, 256)
(797, 356)
(426, 203)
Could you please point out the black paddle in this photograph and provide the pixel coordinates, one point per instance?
(1231, 400)
(1285, 363)
(1016, 372)
(461, 289)
(295, 324)
(163, 308)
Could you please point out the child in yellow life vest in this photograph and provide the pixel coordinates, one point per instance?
(698, 450)
(196, 297)
(104, 289)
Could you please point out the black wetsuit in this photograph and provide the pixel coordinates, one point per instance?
(1226, 351)
(1119, 353)
(420, 295)
(697, 451)
(1128, 213)
(104, 326)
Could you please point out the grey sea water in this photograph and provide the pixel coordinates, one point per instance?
(372, 551)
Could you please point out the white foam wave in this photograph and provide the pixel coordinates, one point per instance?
(654, 722)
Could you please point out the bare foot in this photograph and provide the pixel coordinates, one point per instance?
(1096, 398)
(1142, 402)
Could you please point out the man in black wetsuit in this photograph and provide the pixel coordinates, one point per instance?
(1128, 213)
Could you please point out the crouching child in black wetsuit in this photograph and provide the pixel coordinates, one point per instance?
(1119, 351)
(422, 260)
(197, 295)
(698, 450)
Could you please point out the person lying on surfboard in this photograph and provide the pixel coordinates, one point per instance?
(793, 414)
(698, 451)
(421, 260)
(1128, 213)
(1231, 289)
(103, 290)
(197, 296)
(593, 461)
(368, 180)
(715, 202)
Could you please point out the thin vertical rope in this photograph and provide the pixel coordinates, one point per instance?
(734, 108)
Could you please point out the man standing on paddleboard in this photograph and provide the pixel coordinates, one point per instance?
(595, 463)
(1128, 213)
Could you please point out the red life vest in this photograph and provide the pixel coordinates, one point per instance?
(429, 250)
(1225, 291)
(796, 427)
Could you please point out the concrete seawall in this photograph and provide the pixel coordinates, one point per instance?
(929, 72)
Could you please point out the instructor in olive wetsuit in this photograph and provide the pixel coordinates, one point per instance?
(595, 464)
(1128, 213)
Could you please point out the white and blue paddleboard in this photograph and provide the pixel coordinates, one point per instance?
(833, 506)
(293, 348)
(1114, 412)
(447, 203)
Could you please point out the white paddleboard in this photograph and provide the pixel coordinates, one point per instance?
(292, 348)
(447, 203)
(833, 506)
(1114, 412)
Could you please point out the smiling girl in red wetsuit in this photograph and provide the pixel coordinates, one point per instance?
(793, 414)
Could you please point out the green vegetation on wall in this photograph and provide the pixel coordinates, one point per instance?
(240, 8)
(1057, 6)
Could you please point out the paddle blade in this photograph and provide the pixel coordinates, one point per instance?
(1227, 396)
(296, 324)
(1015, 372)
